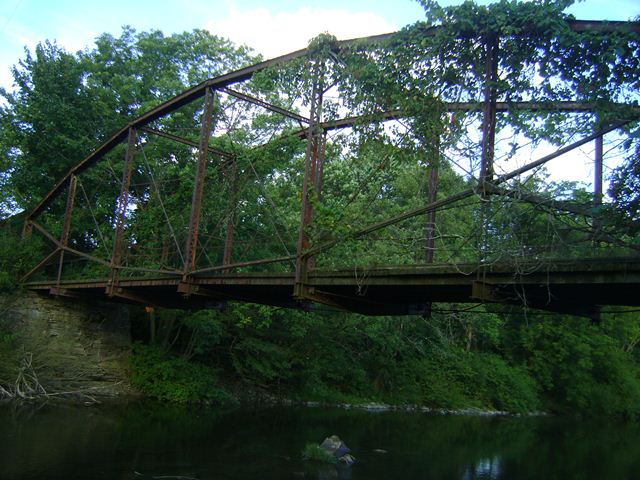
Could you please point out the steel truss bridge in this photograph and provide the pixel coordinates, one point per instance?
(200, 257)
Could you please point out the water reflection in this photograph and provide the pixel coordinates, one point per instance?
(484, 469)
(141, 441)
(327, 472)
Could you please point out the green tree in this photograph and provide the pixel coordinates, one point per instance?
(580, 368)
(48, 124)
(66, 104)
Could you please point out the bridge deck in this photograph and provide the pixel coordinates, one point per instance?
(564, 286)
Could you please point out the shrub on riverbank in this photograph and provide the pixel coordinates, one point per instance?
(160, 375)
(490, 361)
(473, 379)
(584, 368)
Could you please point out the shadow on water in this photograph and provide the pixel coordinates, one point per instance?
(145, 441)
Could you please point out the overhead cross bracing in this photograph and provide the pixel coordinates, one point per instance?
(288, 185)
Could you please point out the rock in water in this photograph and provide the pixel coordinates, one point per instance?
(335, 446)
(338, 449)
(347, 459)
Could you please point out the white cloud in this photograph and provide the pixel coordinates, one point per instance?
(73, 32)
(276, 34)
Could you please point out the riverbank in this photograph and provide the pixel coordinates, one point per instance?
(257, 398)
(383, 407)
(556, 365)
(250, 398)
(59, 347)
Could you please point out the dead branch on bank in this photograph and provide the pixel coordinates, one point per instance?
(27, 386)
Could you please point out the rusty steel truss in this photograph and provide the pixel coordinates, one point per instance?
(390, 290)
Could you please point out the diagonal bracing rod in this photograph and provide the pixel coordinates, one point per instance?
(266, 105)
(470, 191)
(186, 141)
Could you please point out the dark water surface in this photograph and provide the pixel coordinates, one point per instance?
(146, 441)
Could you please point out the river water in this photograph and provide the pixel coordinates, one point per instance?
(149, 441)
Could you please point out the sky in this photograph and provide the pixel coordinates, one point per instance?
(270, 27)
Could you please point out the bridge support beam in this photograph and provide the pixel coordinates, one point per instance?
(522, 297)
(188, 289)
(312, 182)
(218, 300)
(121, 211)
(357, 304)
(136, 297)
(198, 186)
(65, 292)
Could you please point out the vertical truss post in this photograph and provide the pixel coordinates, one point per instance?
(231, 220)
(121, 213)
(66, 226)
(488, 133)
(430, 225)
(489, 109)
(597, 186)
(321, 146)
(198, 187)
(314, 159)
(433, 159)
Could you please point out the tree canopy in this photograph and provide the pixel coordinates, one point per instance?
(65, 104)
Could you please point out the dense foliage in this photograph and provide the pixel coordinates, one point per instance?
(482, 360)
(174, 379)
(457, 357)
